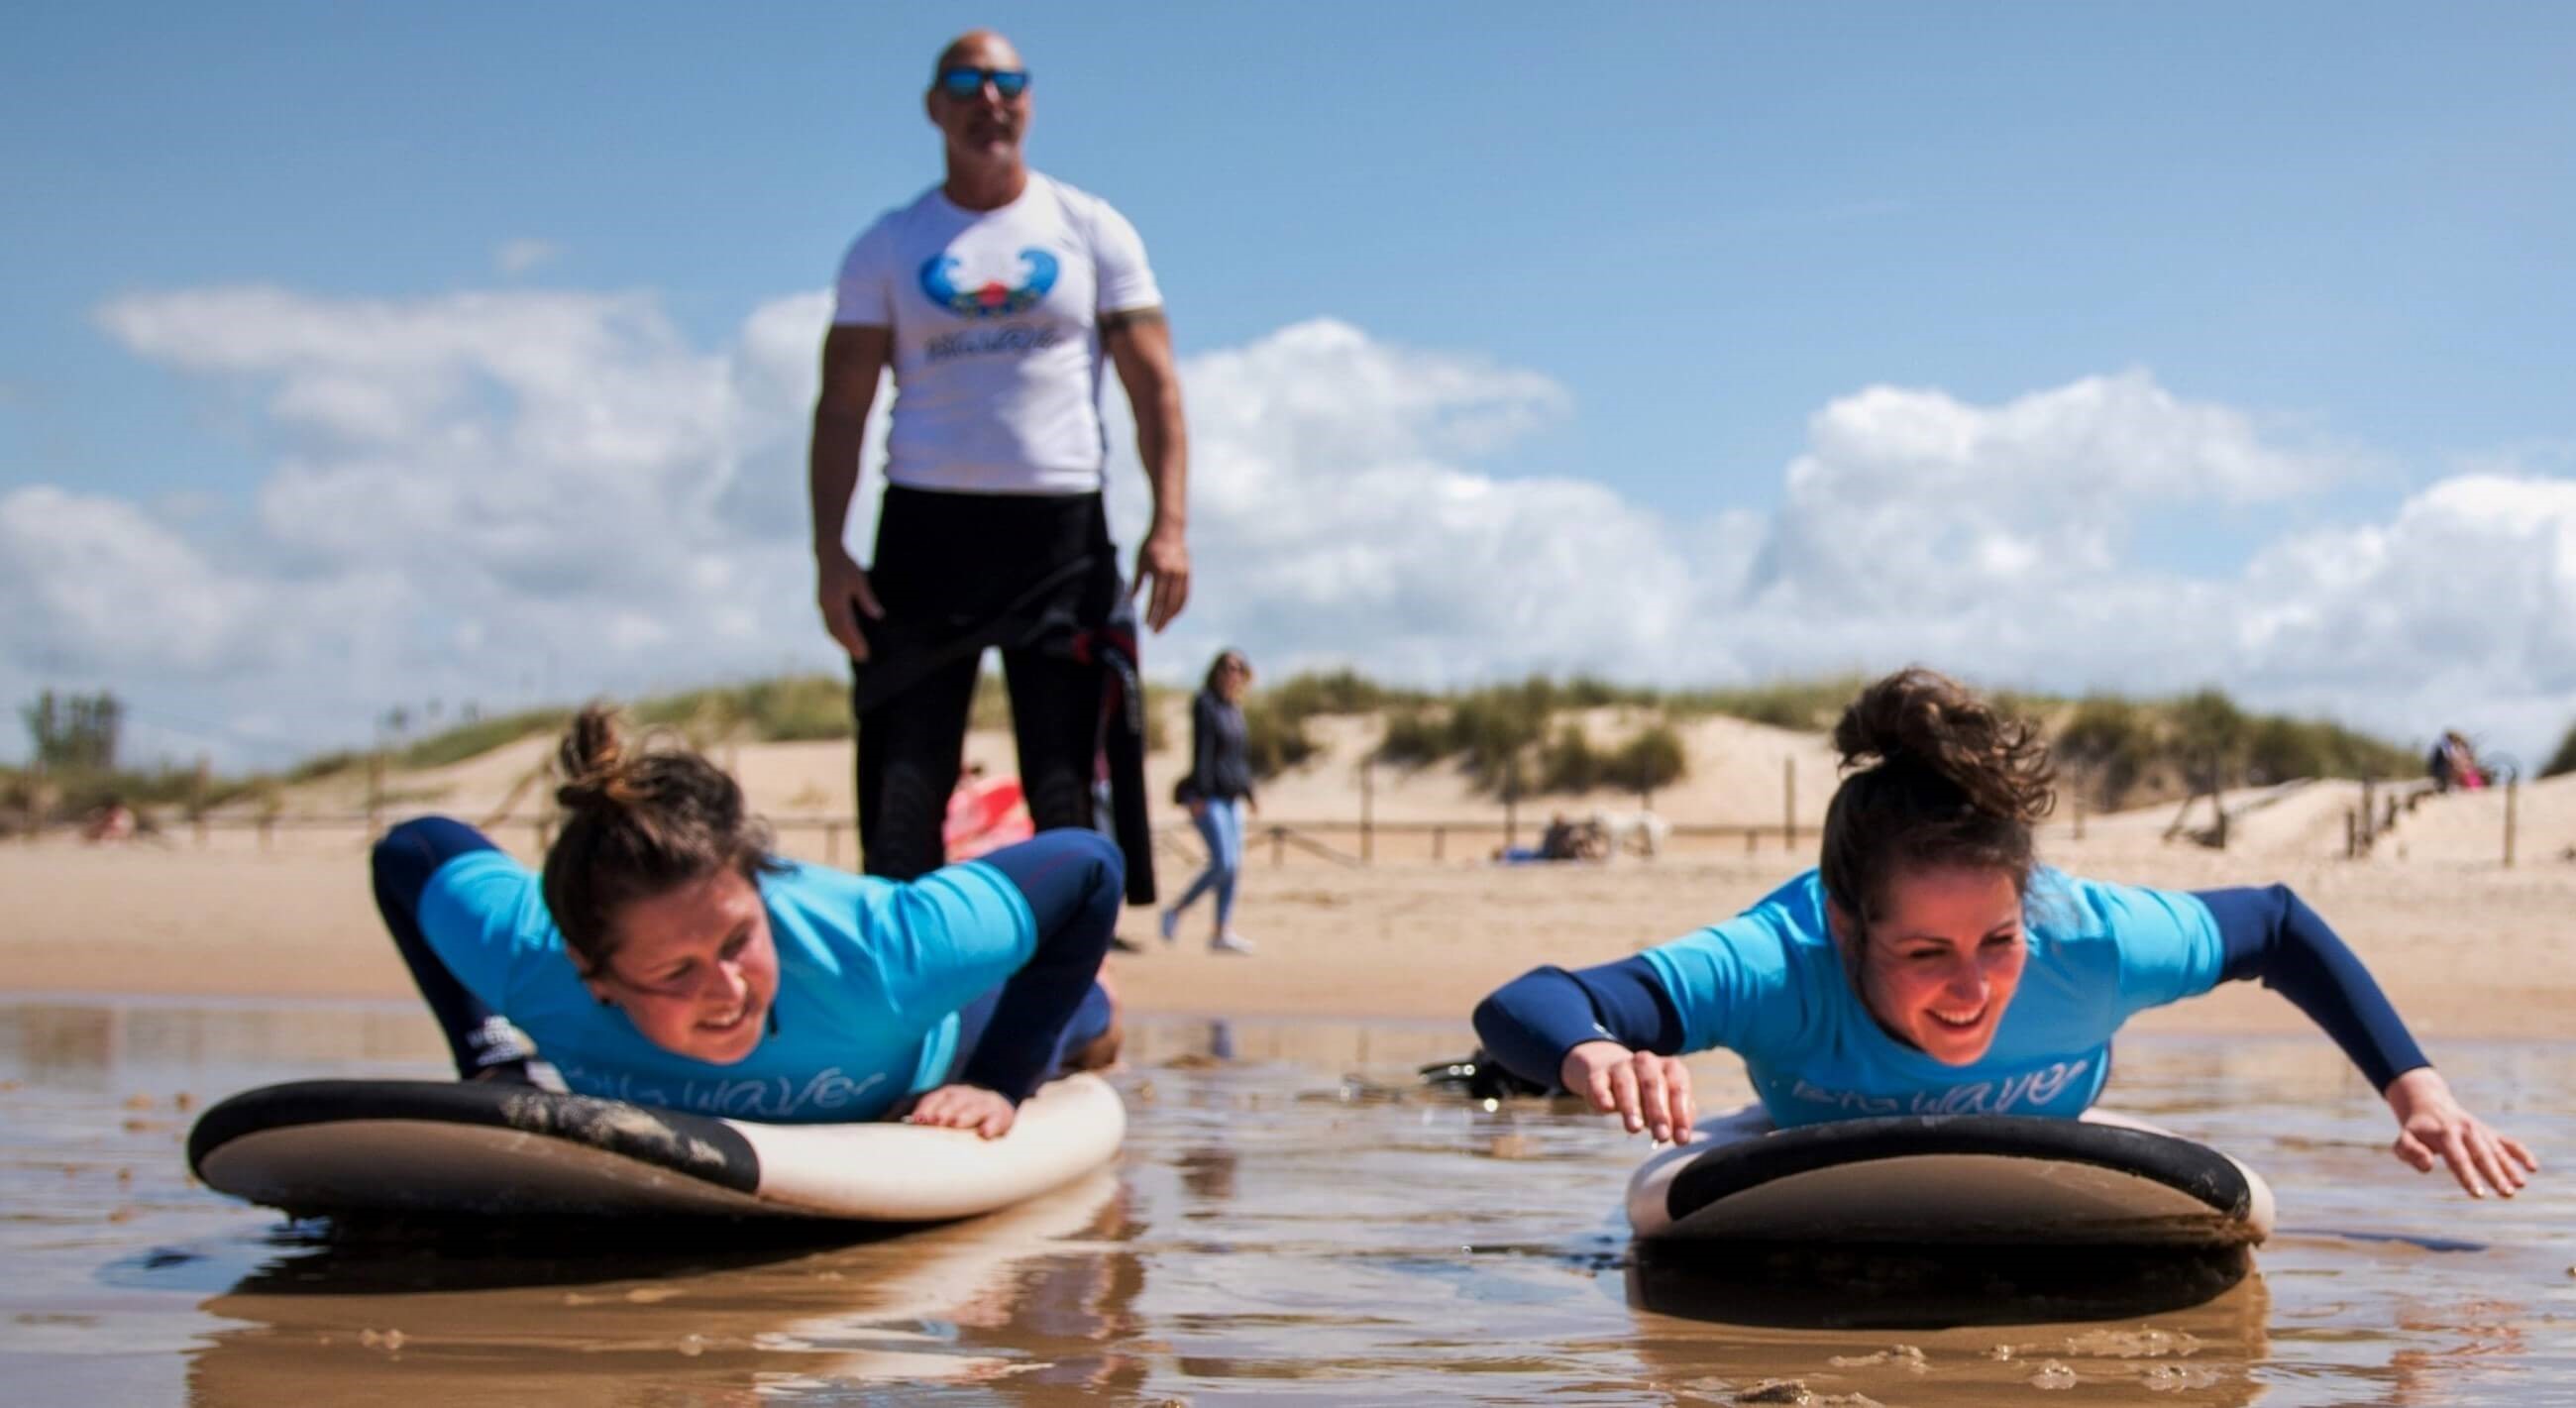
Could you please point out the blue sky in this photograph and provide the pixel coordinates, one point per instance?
(1700, 226)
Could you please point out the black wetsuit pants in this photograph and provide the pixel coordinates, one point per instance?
(947, 567)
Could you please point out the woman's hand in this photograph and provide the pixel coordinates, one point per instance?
(2431, 1124)
(965, 1107)
(1647, 1091)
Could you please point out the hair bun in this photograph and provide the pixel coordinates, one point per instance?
(597, 769)
(1919, 718)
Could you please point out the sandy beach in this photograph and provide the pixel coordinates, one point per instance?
(2467, 946)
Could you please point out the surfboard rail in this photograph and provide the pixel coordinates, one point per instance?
(444, 1148)
(1997, 1180)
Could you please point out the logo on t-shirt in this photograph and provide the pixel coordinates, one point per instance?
(992, 298)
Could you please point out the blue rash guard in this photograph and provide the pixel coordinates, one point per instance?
(871, 974)
(1770, 985)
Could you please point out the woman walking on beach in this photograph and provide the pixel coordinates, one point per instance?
(1930, 965)
(1218, 791)
(668, 956)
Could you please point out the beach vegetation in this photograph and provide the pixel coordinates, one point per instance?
(2564, 760)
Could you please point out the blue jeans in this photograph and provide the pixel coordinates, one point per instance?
(1220, 824)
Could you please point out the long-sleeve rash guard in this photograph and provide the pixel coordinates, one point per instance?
(1770, 985)
(872, 974)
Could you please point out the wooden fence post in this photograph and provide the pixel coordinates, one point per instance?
(1439, 841)
(1789, 803)
(1278, 846)
(2512, 784)
(1368, 810)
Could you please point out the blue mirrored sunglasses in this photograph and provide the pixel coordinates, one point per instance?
(962, 83)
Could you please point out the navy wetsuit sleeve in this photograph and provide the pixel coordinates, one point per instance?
(1073, 881)
(1531, 1022)
(402, 865)
(2272, 935)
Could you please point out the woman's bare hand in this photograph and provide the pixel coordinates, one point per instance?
(965, 1107)
(1649, 1093)
(2432, 1124)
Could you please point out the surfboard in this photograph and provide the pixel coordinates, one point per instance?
(1928, 1180)
(437, 1148)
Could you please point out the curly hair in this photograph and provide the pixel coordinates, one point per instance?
(1934, 776)
(640, 820)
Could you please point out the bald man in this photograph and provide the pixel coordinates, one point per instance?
(994, 297)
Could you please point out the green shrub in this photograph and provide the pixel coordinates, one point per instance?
(796, 708)
(2564, 760)
(472, 740)
(1654, 759)
(2109, 743)
(1797, 704)
(1303, 696)
(1568, 763)
(1492, 727)
(1415, 735)
(322, 765)
(1273, 740)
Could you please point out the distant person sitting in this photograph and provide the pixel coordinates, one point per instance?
(111, 820)
(2454, 763)
(1562, 840)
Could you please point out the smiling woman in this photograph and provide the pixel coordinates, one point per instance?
(1931, 966)
(667, 957)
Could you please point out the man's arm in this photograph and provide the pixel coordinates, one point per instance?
(1140, 345)
(854, 356)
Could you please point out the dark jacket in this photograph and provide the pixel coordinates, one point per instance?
(1220, 761)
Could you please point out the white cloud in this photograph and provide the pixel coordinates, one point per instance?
(96, 587)
(513, 258)
(500, 496)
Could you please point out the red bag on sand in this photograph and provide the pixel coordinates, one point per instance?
(986, 814)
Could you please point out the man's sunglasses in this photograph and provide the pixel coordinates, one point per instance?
(963, 83)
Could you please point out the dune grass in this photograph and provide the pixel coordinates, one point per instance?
(1516, 737)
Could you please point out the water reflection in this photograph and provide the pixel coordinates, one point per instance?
(1033, 1293)
(1919, 1288)
(1289, 1221)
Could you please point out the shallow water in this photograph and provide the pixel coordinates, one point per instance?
(1291, 1222)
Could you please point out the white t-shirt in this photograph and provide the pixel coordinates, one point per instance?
(996, 319)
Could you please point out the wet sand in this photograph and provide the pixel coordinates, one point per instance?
(2466, 950)
(1290, 1223)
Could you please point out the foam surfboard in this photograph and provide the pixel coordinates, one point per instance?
(1979, 1180)
(437, 1148)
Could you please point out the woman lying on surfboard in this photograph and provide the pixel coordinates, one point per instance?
(1929, 965)
(667, 956)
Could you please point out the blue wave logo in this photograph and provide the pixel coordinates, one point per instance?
(992, 298)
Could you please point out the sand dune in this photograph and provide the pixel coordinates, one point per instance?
(2468, 946)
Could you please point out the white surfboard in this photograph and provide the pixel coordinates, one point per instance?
(1984, 1180)
(435, 1148)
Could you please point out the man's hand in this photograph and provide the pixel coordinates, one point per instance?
(1646, 1091)
(841, 590)
(854, 358)
(965, 1107)
(2431, 1124)
(1165, 559)
(1140, 347)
